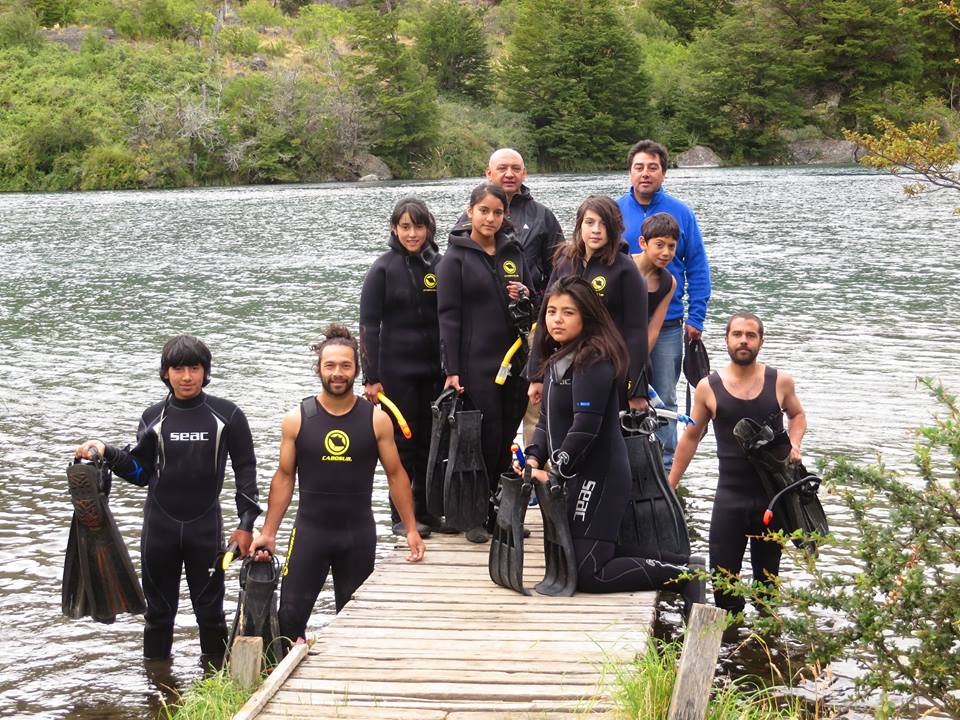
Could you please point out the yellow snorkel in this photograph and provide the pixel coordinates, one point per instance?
(504, 372)
(401, 421)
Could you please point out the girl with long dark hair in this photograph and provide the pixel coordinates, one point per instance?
(599, 256)
(579, 433)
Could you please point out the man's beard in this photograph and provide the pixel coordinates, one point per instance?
(741, 360)
(347, 388)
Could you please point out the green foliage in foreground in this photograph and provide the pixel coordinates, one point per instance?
(216, 697)
(643, 690)
(898, 616)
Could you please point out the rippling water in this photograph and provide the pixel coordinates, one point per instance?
(856, 282)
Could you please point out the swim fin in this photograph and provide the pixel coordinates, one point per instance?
(442, 410)
(506, 546)
(560, 577)
(769, 452)
(653, 520)
(466, 489)
(99, 579)
(696, 365)
(256, 614)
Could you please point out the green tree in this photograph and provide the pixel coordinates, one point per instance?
(452, 46)
(688, 16)
(401, 101)
(574, 68)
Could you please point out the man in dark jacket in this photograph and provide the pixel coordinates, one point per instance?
(535, 226)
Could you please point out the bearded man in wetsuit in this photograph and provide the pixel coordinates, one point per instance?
(181, 456)
(742, 389)
(332, 442)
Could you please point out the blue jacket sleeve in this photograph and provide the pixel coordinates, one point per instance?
(697, 275)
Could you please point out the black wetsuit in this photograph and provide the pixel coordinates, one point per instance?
(539, 233)
(663, 287)
(740, 500)
(623, 290)
(181, 456)
(400, 349)
(334, 528)
(475, 333)
(579, 431)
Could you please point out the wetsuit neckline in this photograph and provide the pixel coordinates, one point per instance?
(185, 404)
(763, 386)
(321, 408)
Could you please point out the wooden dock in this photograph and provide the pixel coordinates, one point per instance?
(439, 641)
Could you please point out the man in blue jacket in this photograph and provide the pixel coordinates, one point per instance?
(647, 162)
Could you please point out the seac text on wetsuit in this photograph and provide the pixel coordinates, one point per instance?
(181, 456)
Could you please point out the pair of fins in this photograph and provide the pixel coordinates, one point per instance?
(696, 365)
(506, 545)
(256, 614)
(99, 579)
(457, 484)
(789, 487)
(653, 520)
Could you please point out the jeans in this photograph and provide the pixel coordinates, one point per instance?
(666, 359)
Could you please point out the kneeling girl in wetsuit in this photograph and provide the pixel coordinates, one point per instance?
(579, 432)
(400, 340)
(482, 271)
(599, 255)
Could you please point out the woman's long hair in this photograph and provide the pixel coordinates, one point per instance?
(599, 339)
(612, 218)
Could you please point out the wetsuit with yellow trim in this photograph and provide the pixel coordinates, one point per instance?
(400, 349)
(181, 456)
(334, 528)
(475, 332)
(623, 291)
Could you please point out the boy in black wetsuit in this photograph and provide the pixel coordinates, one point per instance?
(332, 442)
(181, 456)
(742, 389)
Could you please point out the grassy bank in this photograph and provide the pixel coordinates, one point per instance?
(216, 697)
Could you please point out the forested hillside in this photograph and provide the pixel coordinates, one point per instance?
(167, 93)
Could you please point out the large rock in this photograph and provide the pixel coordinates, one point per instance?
(824, 152)
(73, 37)
(698, 156)
(366, 164)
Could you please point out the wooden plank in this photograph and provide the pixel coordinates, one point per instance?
(261, 697)
(246, 655)
(378, 702)
(698, 663)
(444, 690)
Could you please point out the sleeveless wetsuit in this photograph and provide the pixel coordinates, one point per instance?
(400, 348)
(654, 297)
(181, 456)
(579, 430)
(740, 500)
(334, 528)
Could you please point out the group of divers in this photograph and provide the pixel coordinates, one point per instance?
(458, 347)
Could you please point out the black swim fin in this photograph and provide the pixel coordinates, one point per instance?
(256, 614)
(442, 410)
(696, 365)
(560, 577)
(799, 507)
(653, 520)
(506, 546)
(99, 579)
(466, 489)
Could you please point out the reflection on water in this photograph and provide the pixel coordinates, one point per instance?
(856, 282)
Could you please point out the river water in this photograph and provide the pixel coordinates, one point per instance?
(856, 282)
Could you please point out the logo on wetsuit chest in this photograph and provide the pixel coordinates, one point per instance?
(583, 500)
(509, 268)
(429, 281)
(599, 284)
(189, 436)
(337, 442)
